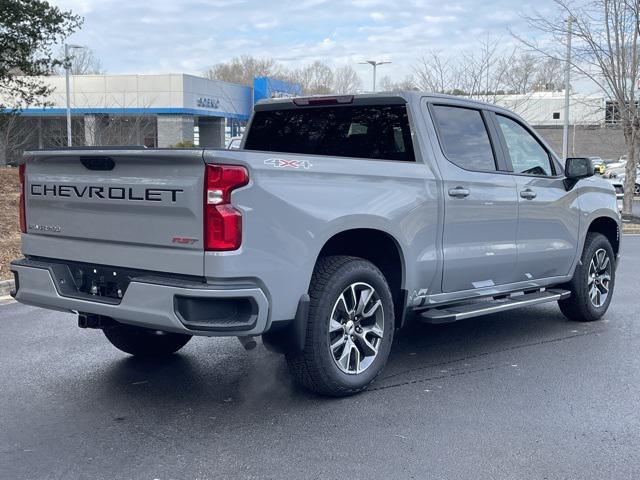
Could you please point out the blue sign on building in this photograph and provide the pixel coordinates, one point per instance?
(266, 87)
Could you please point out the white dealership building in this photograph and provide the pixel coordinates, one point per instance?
(593, 119)
(158, 110)
(151, 110)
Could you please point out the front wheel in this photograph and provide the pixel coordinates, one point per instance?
(143, 342)
(349, 329)
(593, 281)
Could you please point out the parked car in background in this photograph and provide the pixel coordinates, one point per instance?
(618, 187)
(596, 162)
(601, 164)
(614, 169)
(622, 161)
(617, 178)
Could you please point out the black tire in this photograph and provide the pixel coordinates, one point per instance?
(143, 342)
(316, 367)
(579, 306)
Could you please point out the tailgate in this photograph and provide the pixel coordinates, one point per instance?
(133, 208)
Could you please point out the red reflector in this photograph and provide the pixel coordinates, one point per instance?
(222, 222)
(313, 101)
(223, 228)
(23, 213)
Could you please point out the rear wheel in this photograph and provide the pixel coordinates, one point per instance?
(593, 281)
(143, 342)
(349, 329)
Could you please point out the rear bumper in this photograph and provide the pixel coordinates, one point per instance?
(153, 302)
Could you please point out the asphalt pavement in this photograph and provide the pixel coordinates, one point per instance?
(525, 394)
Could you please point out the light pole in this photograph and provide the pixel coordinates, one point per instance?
(567, 85)
(67, 67)
(374, 64)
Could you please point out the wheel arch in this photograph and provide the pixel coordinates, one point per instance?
(608, 227)
(380, 248)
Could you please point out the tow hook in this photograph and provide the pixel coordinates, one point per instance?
(248, 342)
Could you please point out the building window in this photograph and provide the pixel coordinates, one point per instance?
(612, 112)
(556, 115)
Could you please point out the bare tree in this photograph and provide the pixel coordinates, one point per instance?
(244, 69)
(524, 72)
(477, 74)
(17, 134)
(550, 74)
(605, 50)
(316, 78)
(481, 73)
(346, 80)
(436, 73)
(388, 85)
(520, 71)
(81, 61)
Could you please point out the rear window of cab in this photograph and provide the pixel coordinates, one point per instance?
(379, 132)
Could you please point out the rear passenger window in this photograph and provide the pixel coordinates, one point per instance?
(464, 138)
(368, 131)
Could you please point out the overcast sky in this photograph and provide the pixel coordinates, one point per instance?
(188, 36)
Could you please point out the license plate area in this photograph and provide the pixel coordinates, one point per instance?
(100, 281)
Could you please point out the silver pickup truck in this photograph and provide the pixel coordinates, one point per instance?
(339, 219)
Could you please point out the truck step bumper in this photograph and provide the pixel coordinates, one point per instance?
(153, 302)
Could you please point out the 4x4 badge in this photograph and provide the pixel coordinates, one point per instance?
(282, 163)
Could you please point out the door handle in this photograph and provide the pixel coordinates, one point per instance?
(459, 192)
(528, 194)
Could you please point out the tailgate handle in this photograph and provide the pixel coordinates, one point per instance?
(98, 163)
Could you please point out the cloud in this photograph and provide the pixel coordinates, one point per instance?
(267, 24)
(192, 35)
(439, 18)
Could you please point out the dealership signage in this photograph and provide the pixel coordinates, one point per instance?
(207, 102)
(265, 87)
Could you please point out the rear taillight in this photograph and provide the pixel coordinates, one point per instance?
(222, 222)
(23, 215)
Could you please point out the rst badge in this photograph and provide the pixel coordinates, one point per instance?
(282, 163)
(184, 240)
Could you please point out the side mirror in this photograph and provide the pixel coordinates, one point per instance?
(577, 168)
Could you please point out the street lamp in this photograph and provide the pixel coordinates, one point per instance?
(567, 85)
(374, 64)
(67, 66)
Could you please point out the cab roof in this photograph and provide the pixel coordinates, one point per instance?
(401, 97)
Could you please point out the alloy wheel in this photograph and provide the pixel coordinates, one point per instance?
(599, 278)
(356, 328)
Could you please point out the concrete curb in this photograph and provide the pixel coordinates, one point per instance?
(630, 228)
(6, 286)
